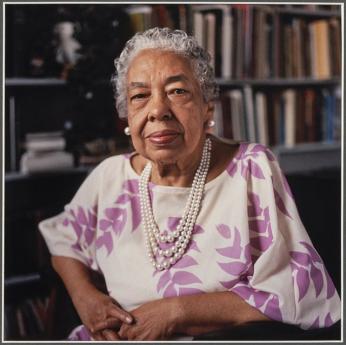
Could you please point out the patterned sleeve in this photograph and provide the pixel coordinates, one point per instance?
(72, 233)
(286, 278)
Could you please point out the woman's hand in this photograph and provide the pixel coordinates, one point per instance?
(155, 320)
(101, 314)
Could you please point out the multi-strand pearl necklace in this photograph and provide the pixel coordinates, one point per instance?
(180, 237)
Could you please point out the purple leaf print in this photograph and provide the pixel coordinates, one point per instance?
(262, 243)
(244, 170)
(131, 186)
(243, 291)
(77, 247)
(136, 213)
(258, 148)
(197, 229)
(229, 284)
(294, 267)
(118, 217)
(303, 282)
(243, 147)
(273, 310)
(185, 278)
(81, 217)
(258, 225)
(232, 169)
(254, 210)
(89, 235)
(235, 250)
(193, 246)
(315, 324)
(105, 224)
(255, 170)
(170, 291)
(65, 222)
(301, 258)
(260, 298)
(185, 261)
(164, 279)
(123, 199)
(92, 220)
(330, 284)
(280, 204)
(317, 279)
(77, 229)
(247, 253)
(189, 291)
(105, 241)
(234, 268)
(224, 230)
(230, 252)
(314, 255)
(328, 321)
(173, 223)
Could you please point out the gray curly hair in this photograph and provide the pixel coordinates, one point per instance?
(176, 41)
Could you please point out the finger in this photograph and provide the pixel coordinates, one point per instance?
(123, 331)
(121, 314)
(108, 323)
(98, 336)
(110, 335)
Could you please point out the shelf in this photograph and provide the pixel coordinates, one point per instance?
(309, 157)
(34, 82)
(275, 82)
(308, 12)
(22, 279)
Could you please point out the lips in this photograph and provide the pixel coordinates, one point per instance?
(163, 137)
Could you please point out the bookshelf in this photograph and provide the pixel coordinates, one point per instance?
(41, 99)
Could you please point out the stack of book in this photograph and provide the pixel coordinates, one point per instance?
(259, 42)
(45, 152)
(281, 117)
(144, 17)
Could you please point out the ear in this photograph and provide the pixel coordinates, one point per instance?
(209, 113)
(210, 109)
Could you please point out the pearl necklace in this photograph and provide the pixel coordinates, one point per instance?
(180, 237)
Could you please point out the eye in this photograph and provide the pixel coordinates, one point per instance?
(138, 97)
(178, 91)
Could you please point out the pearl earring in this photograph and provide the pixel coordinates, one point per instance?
(127, 130)
(211, 123)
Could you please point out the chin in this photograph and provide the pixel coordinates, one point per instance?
(164, 156)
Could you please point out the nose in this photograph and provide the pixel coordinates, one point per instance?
(159, 109)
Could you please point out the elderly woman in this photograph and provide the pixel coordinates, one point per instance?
(192, 234)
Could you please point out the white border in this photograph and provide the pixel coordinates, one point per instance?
(176, 2)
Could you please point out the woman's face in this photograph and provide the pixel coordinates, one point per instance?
(166, 111)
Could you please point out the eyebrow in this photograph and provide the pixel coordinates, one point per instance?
(135, 84)
(169, 80)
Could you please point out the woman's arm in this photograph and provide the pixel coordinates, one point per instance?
(212, 311)
(189, 315)
(92, 305)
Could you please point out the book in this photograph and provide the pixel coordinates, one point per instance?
(289, 117)
(261, 118)
(335, 44)
(210, 23)
(227, 43)
(41, 162)
(320, 52)
(249, 113)
(218, 130)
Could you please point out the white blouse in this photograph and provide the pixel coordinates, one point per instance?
(248, 239)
